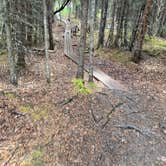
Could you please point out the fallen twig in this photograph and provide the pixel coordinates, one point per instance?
(137, 129)
(66, 101)
(16, 113)
(94, 117)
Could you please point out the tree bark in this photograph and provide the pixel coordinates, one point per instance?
(142, 31)
(20, 35)
(92, 13)
(50, 21)
(111, 32)
(102, 23)
(136, 26)
(11, 57)
(80, 70)
(46, 39)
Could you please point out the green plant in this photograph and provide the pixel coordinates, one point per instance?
(80, 87)
(37, 158)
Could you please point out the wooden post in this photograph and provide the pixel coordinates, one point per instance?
(67, 44)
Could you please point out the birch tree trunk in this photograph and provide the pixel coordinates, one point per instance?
(92, 14)
(11, 57)
(46, 40)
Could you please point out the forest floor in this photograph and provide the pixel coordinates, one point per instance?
(43, 124)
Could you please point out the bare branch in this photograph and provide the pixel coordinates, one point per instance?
(62, 7)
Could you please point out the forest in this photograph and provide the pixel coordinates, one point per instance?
(83, 82)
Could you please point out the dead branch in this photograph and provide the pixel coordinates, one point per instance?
(16, 113)
(66, 101)
(94, 117)
(137, 129)
(62, 7)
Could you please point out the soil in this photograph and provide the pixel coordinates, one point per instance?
(105, 128)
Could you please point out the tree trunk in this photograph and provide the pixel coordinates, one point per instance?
(50, 21)
(102, 23)
(120, 19)
(111, 32)
(29, 19)
(20, 35)
(125, 26)
(162, 21)
(11, 57)
(142, 31)
(136, 26)
(80, 70)
(95, 15)
(46, 39)
(92, 13)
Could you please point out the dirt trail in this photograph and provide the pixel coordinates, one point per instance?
(89, 130)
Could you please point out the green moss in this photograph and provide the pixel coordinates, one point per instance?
(117, 55)
(25, 109)
(10, 95)
(37, 158)
(37, 154)
(37, 113)
(121, 56)
(3, 57)
(154, 46)
(41, 113)
(156, 42)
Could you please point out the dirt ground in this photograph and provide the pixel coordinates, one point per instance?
(106, 128)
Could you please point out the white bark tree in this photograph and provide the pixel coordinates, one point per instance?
(46, 41)
(92, 14)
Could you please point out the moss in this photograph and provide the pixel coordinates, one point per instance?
(117, 55)
(37, 113)
(3, 57)
(40, 112)
(10, 95)
(155, 46)
(25, 109)
(35, 159)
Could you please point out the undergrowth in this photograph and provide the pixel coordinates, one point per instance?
(81, 88)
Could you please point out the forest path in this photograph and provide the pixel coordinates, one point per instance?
(144, 108)
(43, 124)
(97, 73)
(101, 76)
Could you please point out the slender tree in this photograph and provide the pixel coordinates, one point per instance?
(92, 13)
(13, 78)
(50, 22)
(102, 23)
(80, 70)
(20, 36)
(46, 39)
